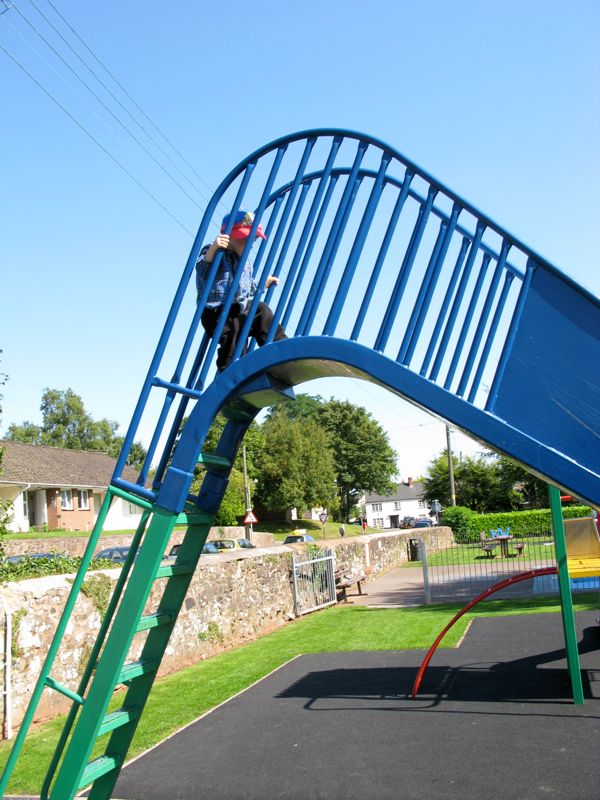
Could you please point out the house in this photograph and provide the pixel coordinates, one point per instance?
(388, 512)
(61, 489)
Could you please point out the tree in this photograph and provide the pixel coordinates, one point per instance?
(66, 423)
(363, 457)
(304, 406)
(489, 483)
(296, 469)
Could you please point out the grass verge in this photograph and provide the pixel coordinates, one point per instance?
(178, 699)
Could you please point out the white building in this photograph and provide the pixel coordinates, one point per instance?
(388, 512)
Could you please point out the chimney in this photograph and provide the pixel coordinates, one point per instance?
(409, 481)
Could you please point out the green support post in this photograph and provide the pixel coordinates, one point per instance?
(566, 598)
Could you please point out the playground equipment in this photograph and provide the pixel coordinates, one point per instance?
(386, 275)
(582, 540)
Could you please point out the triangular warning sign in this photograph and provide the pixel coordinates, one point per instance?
(250, 518)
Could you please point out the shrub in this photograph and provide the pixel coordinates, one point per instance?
(459, 519)
(466, 524)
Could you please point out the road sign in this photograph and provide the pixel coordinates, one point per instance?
(250, 518)
(323, 518)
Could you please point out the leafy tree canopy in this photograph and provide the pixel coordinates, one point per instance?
(487, 484)
(66, 423)
(363, 457)
(296, 469)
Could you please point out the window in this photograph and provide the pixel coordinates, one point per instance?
(423, 504)
(378, 522)
(376, 507)
(25, 504)
(129, 509)
(84, 500)
(66, 499)
(397, 505)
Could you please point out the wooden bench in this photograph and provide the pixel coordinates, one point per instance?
(344, 582)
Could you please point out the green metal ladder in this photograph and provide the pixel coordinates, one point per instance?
(107, 667)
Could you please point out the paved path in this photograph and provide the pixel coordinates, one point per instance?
(495, 720)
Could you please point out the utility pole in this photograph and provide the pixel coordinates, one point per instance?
(247, 497)
(450, 467)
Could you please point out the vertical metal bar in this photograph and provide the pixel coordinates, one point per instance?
(295, 585)
(403, 275)
(512, 333)
(336, 230)
(289, 204)
(426, 581)
(357, 247)
(406, 350)
(467, 320)
(434, 267)
(324, 182)
(444, 307)
(483, 319)
(391, 228)
(508, 279)
(566, 598)
(309, 251)
(462, 286)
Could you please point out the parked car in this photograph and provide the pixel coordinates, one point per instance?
(298, 538)
(209, 549)
(17, 559)
(423, 522)
(116, 554)
(232, 544)
(407, 522)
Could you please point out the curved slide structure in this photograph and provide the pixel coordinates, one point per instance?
(385, 275)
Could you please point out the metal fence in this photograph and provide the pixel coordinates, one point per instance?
(313, 582)
(465, 569)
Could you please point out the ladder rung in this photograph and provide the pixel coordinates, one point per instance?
(136, 668)
(116, 719)
(193, 518)
(154, 620)
(174, 569)
(97, 768)
(215, 461)
(52, 684)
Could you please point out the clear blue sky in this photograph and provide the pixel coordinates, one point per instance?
(500, 101)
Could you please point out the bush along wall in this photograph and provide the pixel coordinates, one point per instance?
(521, 523)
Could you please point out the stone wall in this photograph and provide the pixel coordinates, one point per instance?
(234, 597)
(75, 545)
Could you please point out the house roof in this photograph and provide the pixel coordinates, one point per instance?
(404, 491)
(55, 466)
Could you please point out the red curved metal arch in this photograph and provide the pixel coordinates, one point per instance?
(522, 576)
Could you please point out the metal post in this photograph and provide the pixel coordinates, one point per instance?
(247, 496)
(566, 598)
(450, 467)
(426, 584)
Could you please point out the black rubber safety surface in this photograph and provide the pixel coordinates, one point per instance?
(494, 719)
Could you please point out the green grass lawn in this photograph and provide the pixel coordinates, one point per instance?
(332, 529)
(180, 698)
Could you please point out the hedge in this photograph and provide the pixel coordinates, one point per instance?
(521, 523)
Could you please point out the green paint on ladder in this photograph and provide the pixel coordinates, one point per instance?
(566, 598)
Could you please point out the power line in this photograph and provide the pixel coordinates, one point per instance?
(128, 95)
(102, 103)
(93, 138)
